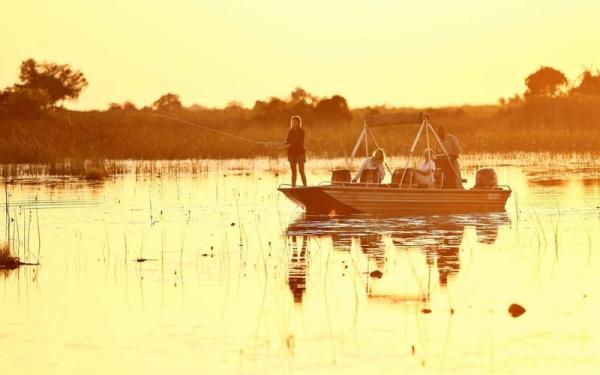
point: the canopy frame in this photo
(401, 119)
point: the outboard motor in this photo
(486, 178)
(340, 176)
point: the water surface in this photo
(203, 267)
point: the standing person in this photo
(374, 162)
(452, 170)
(295, 146)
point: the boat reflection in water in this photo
(439, 240)
(434, 240)
(297, 267)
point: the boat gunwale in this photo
(500, 189)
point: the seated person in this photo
(424, 175)
(374, 162)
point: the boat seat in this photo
(340, 177)
(370, 176)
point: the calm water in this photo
(236, 281)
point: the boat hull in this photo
(348, 200)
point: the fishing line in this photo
(195, 125)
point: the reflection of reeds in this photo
(8, 260)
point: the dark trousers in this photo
(300, 167)
(451, 168)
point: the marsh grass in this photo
(97, 170)
(566, 124)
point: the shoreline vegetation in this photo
(553, 115)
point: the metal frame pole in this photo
(358, 142)
(366, 141)
(412, 150)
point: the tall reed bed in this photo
(569, 124)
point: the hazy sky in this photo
(210, 52)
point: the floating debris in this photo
(377, 274)
(10, 262)
(516, 310)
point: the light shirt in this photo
(451, 145)
(427, 166)
(369, 163)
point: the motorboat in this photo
(401, 196)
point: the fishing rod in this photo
(199, 126)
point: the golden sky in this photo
(210, 52)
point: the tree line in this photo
(43, 87)
(552, 114)
(548, 82)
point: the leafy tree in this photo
(235, 111)
(334, 108)
(128, 106)
(61, 82)
(167, 103)
(299, 95)
(114, 107)
(590, 84)
(302, 103)
(274, 109)
(23, 102)
(545, 82)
